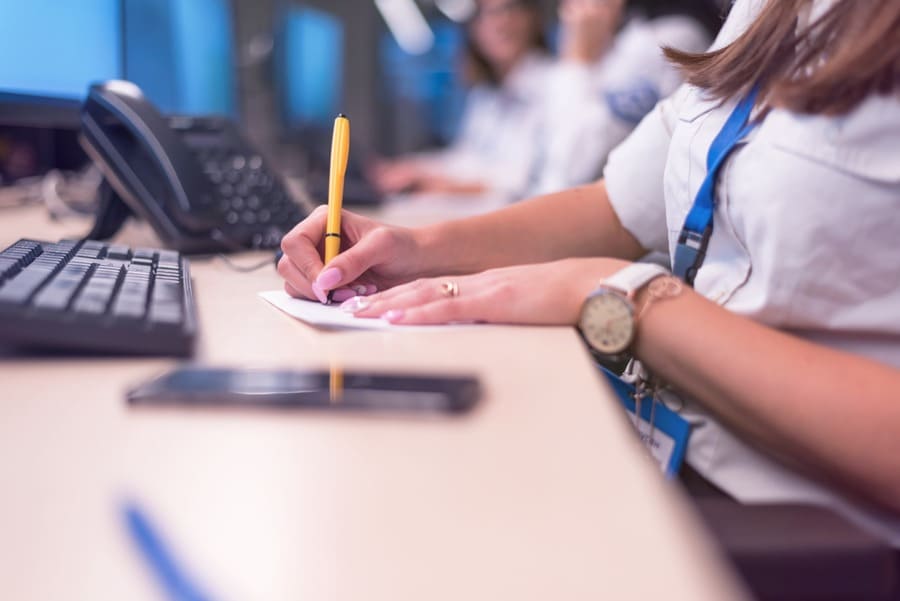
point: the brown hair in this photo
(828, 67)
(478, 70)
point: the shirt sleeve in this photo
(634, 176)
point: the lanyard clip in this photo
(690, 253)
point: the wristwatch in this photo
(608, 321)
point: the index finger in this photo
(301, 244)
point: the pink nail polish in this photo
(394, 315)
(342, 294)
(320, 294)
(371, 289)
(355, 304)
(329, 278)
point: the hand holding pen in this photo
(375, 256)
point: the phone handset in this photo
(146, 162)
(198, 182)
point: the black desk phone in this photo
(198, 183)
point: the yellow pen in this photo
(335, 384)
(340, 149)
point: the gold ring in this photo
(450, 289)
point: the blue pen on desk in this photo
(160, 560)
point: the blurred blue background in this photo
(181, 53)
(57, 48)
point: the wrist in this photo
(653, 304)
(439, 249)
(611, 316)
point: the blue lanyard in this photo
(694, 237)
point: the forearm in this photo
(834, 414)
(574, 223)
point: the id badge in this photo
(662, 431)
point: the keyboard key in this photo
(9, 266)
(94, 297)
(118, 252)
(169, 257)
(166, 314)
(144, 253)
(21, 287)
(57, 294)
(127, 307)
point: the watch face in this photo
(607, 323)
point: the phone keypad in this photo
(253, 205)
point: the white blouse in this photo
(804, 240)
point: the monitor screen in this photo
(310, 67)
(181, 54)
(423, 93)
(55, 49)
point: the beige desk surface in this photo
(542, 493)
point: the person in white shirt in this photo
(507, 64)
(534, 125)
(787, 347)
(611, 73)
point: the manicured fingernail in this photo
(394, 315)
(371, 289)
(342, 294)
(329, 278)
(320, 294)
(355, 304)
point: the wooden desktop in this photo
(543, 492)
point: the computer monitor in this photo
(181, 53)
(309, 59)
(422, 94)
(51, 51)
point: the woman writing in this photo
(772, 180)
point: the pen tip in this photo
(343, 116)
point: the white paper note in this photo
(324, 316)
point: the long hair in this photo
(827, 67)
(479, 70)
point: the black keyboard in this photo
(96, 297)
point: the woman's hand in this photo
(391, 177)
(546, 294)
(375, 257)
(402, 175)
(589, 27)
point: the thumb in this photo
(348, 266)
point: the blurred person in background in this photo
(534, 125)
(611, 73)
(506, 65)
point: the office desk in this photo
(542, 493)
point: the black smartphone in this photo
(334, 391)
